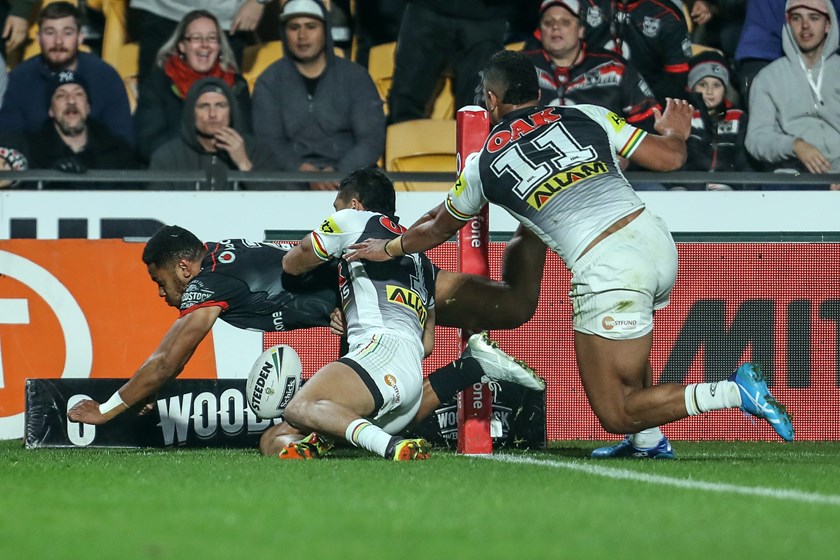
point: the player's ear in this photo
(492, 101)
(184, 268)
(356, 204)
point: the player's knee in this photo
(295, 413)
(615, 422)
(524, 310)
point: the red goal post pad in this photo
(475, 403)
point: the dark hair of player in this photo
(511, 76)
(170, 244)
(372, 188)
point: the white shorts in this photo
(618, 284)
(390, 367)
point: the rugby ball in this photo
(273, 381)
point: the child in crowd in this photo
(718, 129)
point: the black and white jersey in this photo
(555, 170)
(394, 297)
(247, 281)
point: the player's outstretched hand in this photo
(676, 120)
(337, 323)
(87, 412)
(369, 250)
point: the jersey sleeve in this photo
(338, 232)
(466, 198)
(624, 137)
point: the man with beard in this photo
(27, 98)
(211, 136)
(318, 112)
(71, 141)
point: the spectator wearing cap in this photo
(571, 74)
(795, 102)
(196, 49)
(24, 107)
(760, 42)
(439, 35)
(210, 136)
(72, 142)
(315, 110)
(718, 128)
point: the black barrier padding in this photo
(200, 413)
(188, 413)
(519, 412)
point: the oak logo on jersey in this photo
(540, 196)
(329, 226)
(409, 298)
(519, 128)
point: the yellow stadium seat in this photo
(381, 70)
(689, 23)
(115, 33)
(126, 65)
(421, 145)
(381, 67)
(697, 48)
(256, 58)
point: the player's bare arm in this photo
(424, 234)
(461, 300)
(666, 151)
(301, 258)
(429, 334)
(167, 361)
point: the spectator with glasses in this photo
(197, 49)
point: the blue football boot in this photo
(626, 449)
(757, 400)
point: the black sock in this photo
(451, 379)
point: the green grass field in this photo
(718, 500)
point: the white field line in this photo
(624, 474)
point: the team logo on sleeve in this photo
(650, 27)
(616, 121)
(459, 186)
(391, 225)
(408, 298)
(329, 226)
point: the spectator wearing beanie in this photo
(718, 129)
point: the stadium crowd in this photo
(294, 93)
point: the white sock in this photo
(703, 397)
(646, 439)
(362, 433)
